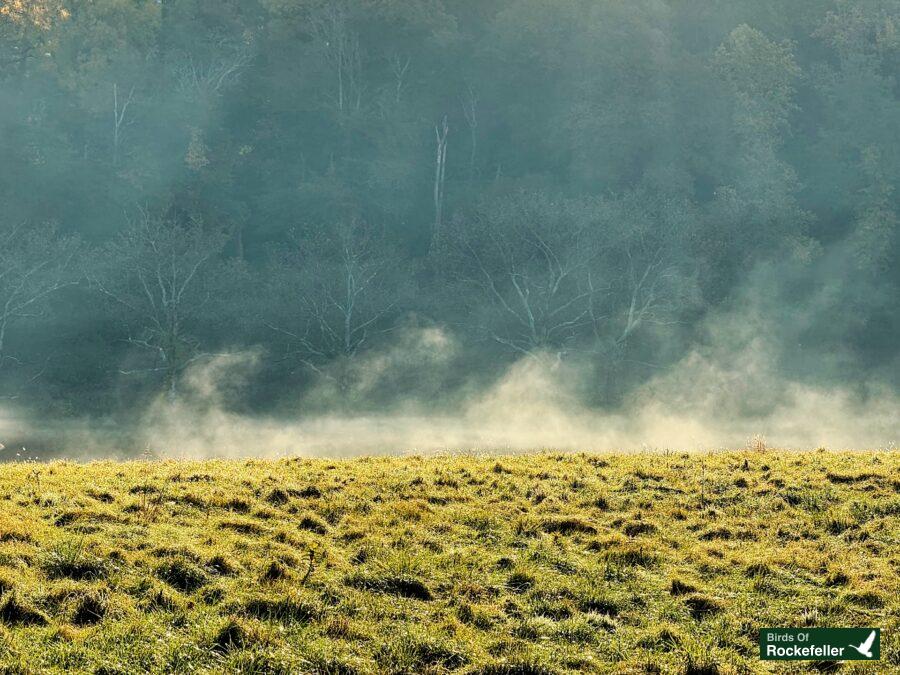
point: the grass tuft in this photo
(222, 565)
(313, 524)
(679, 587)
(702, 606)
(235, 634)
(182, 574)
(90, 609)
(402, 586)
(275, 571)
(515, 668)
(287, 608)
(568, 525)
(69, 559)
(278, 497)
(14, 611)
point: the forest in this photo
(382, 199)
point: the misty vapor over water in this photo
(702, 403)
(727, 394)
(530, 407)
(731, 387)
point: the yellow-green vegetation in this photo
(509, 565)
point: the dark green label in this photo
(819, 644)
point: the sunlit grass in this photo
(537, 563)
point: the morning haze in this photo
(327, 227)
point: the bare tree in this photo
(330, 26)
(334, 294)
(399, 68)
(650, 283)
(156, 276)
(440, 173)
(539, 274)
(470, 112)
(35, 264)
(208, 79)
(523, 267)
(120, 110)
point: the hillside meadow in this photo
(484, 565)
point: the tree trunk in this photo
(439, 176)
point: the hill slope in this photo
(523, 564)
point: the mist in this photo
(329, 228)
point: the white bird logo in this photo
(866, 647)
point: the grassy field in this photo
(513, 565)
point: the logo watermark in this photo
(833, 644)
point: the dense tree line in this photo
(313, 178)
